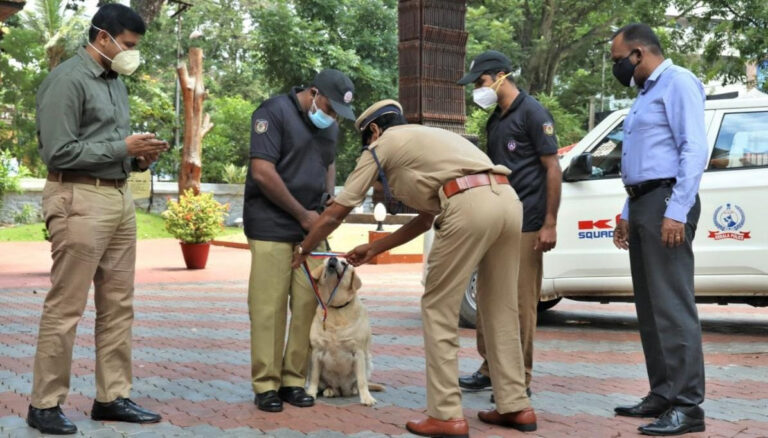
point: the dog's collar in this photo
(343, 305)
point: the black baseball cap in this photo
(487, 61)
(338, 88)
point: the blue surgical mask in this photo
(318, 117)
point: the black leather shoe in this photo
(50, 421)
(650, 406)
(123, 409)
(269, 401)
(475, 381)
(296, 396)
(527, 392)
(676, 422)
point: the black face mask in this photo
(624, 70)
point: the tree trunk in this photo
(196, 125)
(148, 9)
(53, 55)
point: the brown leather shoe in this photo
(524, 420)
(432, 427)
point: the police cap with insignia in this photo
(339, 90)
(489, 60)
(377, 110)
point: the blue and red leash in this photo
(324, 306)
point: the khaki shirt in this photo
(417, 161)
(83, 119)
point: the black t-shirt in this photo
(517, 139)
(282, 133)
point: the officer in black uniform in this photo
(521, 136)
(293, 148)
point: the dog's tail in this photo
(376, 387)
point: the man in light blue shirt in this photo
(664, 155)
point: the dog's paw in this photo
(367, 400)
(312, 392)
(329, 393)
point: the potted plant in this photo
(195, 220)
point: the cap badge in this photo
(348, 97)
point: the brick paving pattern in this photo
(191, 362)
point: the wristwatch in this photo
(300, 250)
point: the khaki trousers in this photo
(479, 227)
(528, 296)
(93, 240)
(272, 286)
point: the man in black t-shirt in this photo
(293, 148)
(521, 136)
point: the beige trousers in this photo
(528, 296)
(93, 240)
(272, 287)
(478, 227)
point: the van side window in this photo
(741, 142)
(606, 155)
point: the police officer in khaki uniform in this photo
(479, 219)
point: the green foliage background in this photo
(256, 48)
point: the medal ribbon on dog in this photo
(317, 291)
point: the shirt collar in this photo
(514, 105)
(661, 68)
(94, 67)
(295, 99)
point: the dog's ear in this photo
(318, 272)
(356, 283)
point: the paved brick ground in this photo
(191, 360)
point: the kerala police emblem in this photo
(511, 146)
(548, 128)
(348, 97)
(260, 126)
(729, 219)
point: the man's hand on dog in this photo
(361, 255)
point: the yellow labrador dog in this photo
(341, 361)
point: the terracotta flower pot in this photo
(195, 254)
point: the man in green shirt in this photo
(83, 127)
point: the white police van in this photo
(731, 244)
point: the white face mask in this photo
(486, 97)
(126, 62)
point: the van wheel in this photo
(546, 305)
(468, 311)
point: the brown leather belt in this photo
(68, 177)
(467, 182)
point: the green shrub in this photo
(234, 174)
(10, 179)
(29, 214)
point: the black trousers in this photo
(662, 279)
